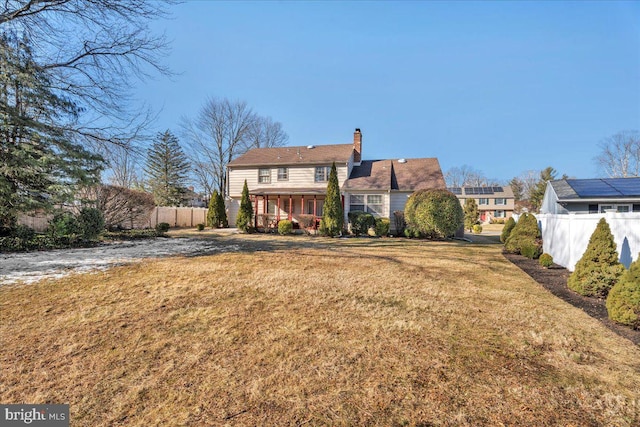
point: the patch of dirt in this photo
(554, 279)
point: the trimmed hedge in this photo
(507, 229)
(383, 225)
(433, 213)
(361, 222)
(546, 260)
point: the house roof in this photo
(284, 156)
(504, 191)
(599, 188)
(406, 175)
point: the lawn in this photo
(314, 331)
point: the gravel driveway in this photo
(29, 267)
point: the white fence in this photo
(565, 237)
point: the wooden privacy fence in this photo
(175, 217)
(178, 217)
(565, 236)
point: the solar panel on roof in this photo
(626, 186)
(593, 188)
(456, 190)
(487, 190)
(468, 190)
(498, 189)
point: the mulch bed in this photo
(554, 279)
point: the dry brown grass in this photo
(333, 332)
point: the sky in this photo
(503, 87)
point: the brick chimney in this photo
(357, 146)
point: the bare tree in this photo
(92, 51)
(620, 155)
(465, 175)
(222, 131)
(124, 164)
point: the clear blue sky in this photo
(504, 87)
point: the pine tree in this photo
(471, 214)
(222, 212)
(245, 214)
(333, 216)
(167, 169)
(41, 164)
(623, 301)
(213, 220)
(599, 269)
(525, 238)
(507, 229)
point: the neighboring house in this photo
(291, 182)
(585, 196)
(493, 202)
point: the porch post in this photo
(265, 201)
(290, 217)
(342, 198)
(255, 217)
(278, 211)
(302, 204)
(315, 209)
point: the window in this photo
(636, 208)
(374, 204)
(483, 201)
(319, 206)
(371, 203)
(322, 173)
(283, 174)
(617, 208)
(498, 214)
(501, 201)
(356, 202)
(593, 209)
(264, 176)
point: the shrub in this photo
(623, 301)
(546, 260)
(361, 222)
(285, 227)
(200, 226)
(525, 236)
(306, 221)
(23, 232)
(599, 269)
(398, 217)
(408, 233)
(90, 223)
(506, 230)
(477, 229)
(63, 224)
(434, 213)
(382, 226)
(163, 227)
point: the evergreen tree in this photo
(507, 229)
(333, 216)
(517, 186)
(599, 269)
(434, 213)
(217, 215)
(41, 164)
(623, 301)
(213, 220)
(245, 214)
(471, 214)
(167, 168)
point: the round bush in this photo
(434, 213)
(477, 229)
(546, 260)
(623, 301)
(200, 226)
(63, 224)
(285, 227)
(163, 227)
(382, 226)
(361, 222)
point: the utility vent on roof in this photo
(310, 147)
(402, 161)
